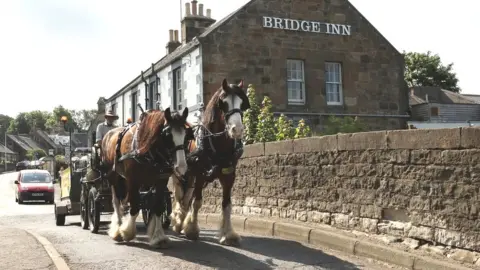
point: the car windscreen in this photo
(36, 178)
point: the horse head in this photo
(176, 133)
(230, 101)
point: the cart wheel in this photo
(59, 219)
(93, 210)
(83, 208)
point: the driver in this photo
(104, 127)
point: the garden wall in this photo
(421, 184)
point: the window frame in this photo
(292, 101)
(339, 83)
(177, 89)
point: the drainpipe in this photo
(146, 90)
(154, 105)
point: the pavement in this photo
(32, 241)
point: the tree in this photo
(37, 119)
(53, 121)
(251, 116)
(35, 154)
(425, 69)
(83, 118)
(5, 123)
(266, 122)
(20, 124)
(346, 124)
(302, 130)
(284, 127)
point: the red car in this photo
(34, 185)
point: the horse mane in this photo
(151, 125)
(212, 110)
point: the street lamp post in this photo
(66, 127)
(5, 148)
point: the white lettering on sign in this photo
(307, 26)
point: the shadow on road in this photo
(207, 252)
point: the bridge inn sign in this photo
(306, 26)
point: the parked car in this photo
(34, 185)
(22, 165)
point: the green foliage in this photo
(425, 69)
(284, 127)
(266, 123)
(250, 117)
(20, 124)
(54, 119)
(35, 154)
(347, 124)
(302, 130)
(83, 118)
(5, 124)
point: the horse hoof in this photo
(192, 235)
(118, 238)
(231, 240)
(160, 244)
(177, 228)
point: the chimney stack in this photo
(175, 36)
(194, 7)
(187, 9)
(194, 23)
(200, 10)
(173, 42)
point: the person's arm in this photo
(98, 135)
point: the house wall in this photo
(191, 66)
(446, 112)
(372, 69)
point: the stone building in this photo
(312, 58)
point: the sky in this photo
(71, 52)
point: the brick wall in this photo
(422, 184)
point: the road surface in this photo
(84, 250)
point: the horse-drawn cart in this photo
(70, 186)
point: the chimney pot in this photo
(209, 13)
(200, 10)
(194, 7)
(170, 35)
(187, 9)
(176, 36)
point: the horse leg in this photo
(128, 229)
(158, 239)
(116, 221)
(190, 224)
(178, 213)
(182, 202)
(227, 234)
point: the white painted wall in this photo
(119, 111)
(192, 91)
(165, 84)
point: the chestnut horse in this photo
(221, 131)
(147, 150)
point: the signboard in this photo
(306, 26)
(67, 154)
(65, 183)
(50, 152)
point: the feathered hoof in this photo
(161, 243)
(231, 239)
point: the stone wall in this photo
(421, 184)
